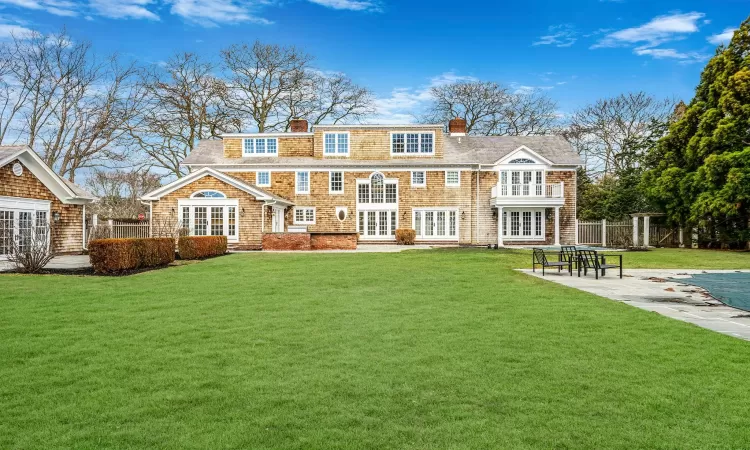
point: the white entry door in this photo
(436, 224)
(277, 220)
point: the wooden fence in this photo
(117, 230)
(619, 234)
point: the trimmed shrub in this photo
(109, 256)
(198, 247)
(405, 236)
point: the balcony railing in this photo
(551, 190)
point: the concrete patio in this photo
(62, 262)
(650, 289)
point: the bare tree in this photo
(57, 97)
(491, 109)
(31, 248)
(119, 191)
(604, 131)
(186, 102)
(272, 84)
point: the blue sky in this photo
(576, 51)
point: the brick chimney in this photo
(457, 127)
(298, 125)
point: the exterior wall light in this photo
(56, 216)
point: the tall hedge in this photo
(109, 256)
(197, 247)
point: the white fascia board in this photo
(520, 149)
(276, 134)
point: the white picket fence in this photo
(606, 233)
(117, 230)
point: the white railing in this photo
(117, 230)
(553, 190)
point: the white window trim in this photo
(336, 153)
(257, 178)
(209, 203)
(506, 226)
(304, 208)
(405, 132)
(296, 182)
(378, 206)
(193, 195)
(259, 155)
(453, 184)
(435, 210)
(418, 185)
(330, 183)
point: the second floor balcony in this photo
(549, 194)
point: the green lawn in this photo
(445, 349)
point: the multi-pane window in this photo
(217, 220)
(263, 178)
(526, 182)
(259, 147)
(303, 183)
(418, 179)
(361, 223)
(452, 223)
(232, 226)
(523, 224)
(304, 216)
(378, 190)
(539, 182)
(538, 223)
(522, 182)
(363, 193)
(390, 193)
(200, 221)
(383, 223)
(452, 178)
(336, 182)
(185, 217)
(336, 143)
(412, 143)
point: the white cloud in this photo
(723, 37)
(646, 38)
(659, 30)
(352, 5)
(123, 9)
(57, 7)
(8, 31)
(405, 104)
(563, 35)
(211, 13)
(670, 53)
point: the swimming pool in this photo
(732, 289)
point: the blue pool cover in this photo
(732, 289)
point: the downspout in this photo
(476, 218)
(85, 246)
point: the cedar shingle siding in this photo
(370, 151)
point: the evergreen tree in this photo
(701, 173)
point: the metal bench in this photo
(590, 259)
(539, 258)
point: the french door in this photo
(19, 226)
(436, 224)
(377, 224)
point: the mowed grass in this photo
(446, 349)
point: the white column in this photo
(500, 226)
(262, 219)
(682, 242)
(635, 231)
(646, 230)
(557, 225)
(604, 232)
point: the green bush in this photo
(198, 247)
(405, 236)
(109, 256)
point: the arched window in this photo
(522, 161)
(208, 194)
(378, 190)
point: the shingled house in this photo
(366, 181)
(32, 195)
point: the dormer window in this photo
(413, 143)
(259, 147)
(336, 144)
